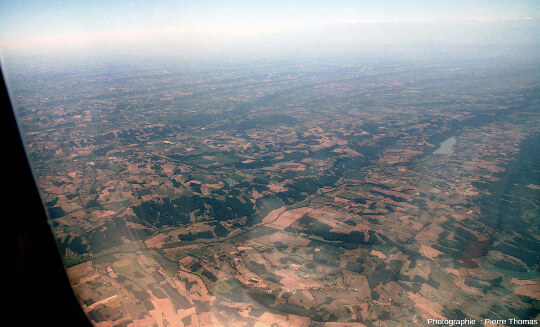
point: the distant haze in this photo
(238, 28)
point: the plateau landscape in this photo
(321, 192)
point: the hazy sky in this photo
(259, 26)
